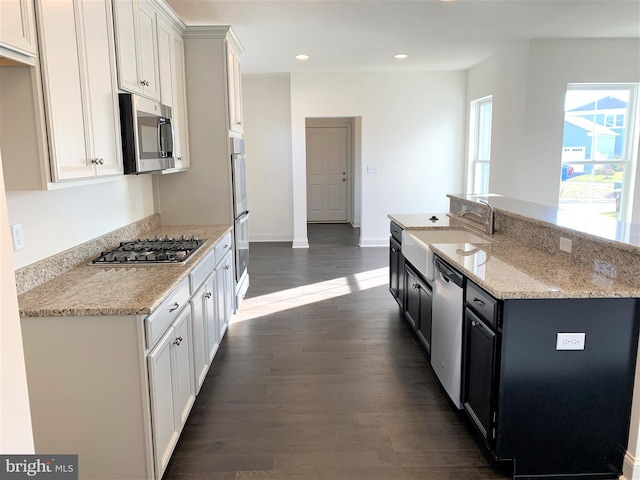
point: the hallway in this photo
(319, 377)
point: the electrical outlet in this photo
(570, 341)
(565, 244)
(373, 169)
(18, 237)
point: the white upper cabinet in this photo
(17, 26)
(173, 90)
(79, 81)
(165, 62)
(137, 48)
(234, 89)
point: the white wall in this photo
(528, 84)
(56, 220)
(505, 78)
(412, 126)
(267, 126)
(15, 416)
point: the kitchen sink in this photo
(415, 246)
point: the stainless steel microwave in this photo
(147, 134)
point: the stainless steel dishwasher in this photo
(446, 328)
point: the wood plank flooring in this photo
(320, 377)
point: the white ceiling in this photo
(363, 35)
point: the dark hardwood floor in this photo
(319, 377)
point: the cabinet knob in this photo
(207, 295)
(145, 83)
(227, 267)
(178, 341)
(474, 323)
(181, 158)
(101, 161)
(416, 285)
(94, 161)
(174, 307)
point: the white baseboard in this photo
(300, 243)
(374, 242)
(630, 468)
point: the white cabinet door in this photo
(234, 91)
(165, 62)
(213, 339)
(182, 369)
(181, 128)
(149, 51)
(126, 26)
(225, 292)
(136, 38)
(200, 336)
(104, 118)
(17, 26)
(78, 69)
(165, 435)
(229, 287)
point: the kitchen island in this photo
(115, 355)
(548, 354)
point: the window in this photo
(597, 149)
(479, 146)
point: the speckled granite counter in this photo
(421, 221)
(117, 290)
(508, 270)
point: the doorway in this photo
(329, 162)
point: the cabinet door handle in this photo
(177, 341)
(416, 285)
(94, 161)
(145, 83)
(207, 295)
(174, 307)
(474, 323)
(227, 267)
(478, 302)
(101, 161)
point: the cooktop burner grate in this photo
(152, 251)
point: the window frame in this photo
(475, 136)
(629, 160)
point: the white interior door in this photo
(327, 174)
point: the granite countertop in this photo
(421, 221)
(89, 290)
(510, 270)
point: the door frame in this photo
(339, 122)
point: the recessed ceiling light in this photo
(302, 57)
(401, 56)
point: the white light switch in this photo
(570, 341)
(372, 169)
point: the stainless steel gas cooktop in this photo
(152, 251)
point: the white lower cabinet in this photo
(205, 342)
(171, 387)
(224, 292)
(139, 400)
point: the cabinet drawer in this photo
(396, 232)
(223, 246)
(201, 271)
(483, 303)
(158, 322)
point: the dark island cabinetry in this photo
(548, 383)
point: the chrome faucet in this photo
(487, 222)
